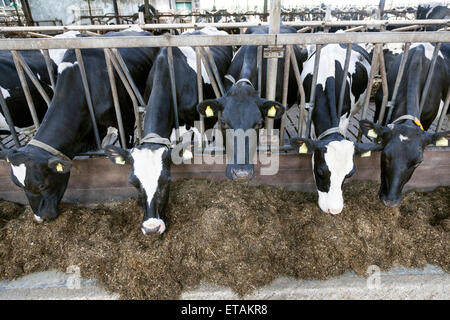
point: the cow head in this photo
(403, 146)
(42, 176)
(241, 110)
(150, 174)
(332, 163)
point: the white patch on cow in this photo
(38, 219)
(394, 48)
(57, 55)
(339, 159)
(153, 223)
(20, 172)
(64, 65)
(5, 93)
(429, 49)
(3, 123)
(135, 28)
(147, 168)
(343, 124)
(212, 31)
(403, 138)
(328, 55)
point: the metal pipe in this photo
(301, 92)
(391, 104)
(200, 91)
(286, 71)
(384, 85)
(259, 65)
(429, 76)
(88, 96)
(215, 71)
(49, 65)
(312, 97)
(33, 78)
(210, 73)
(344, 79)
(26, 89)
(174, 92)
(9, 119)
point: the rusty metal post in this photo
(88, 96)
(26, 89)
(49, 65)
(174, 92)
(384, 85)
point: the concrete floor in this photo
(398, 283)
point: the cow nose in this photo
(153, 225)
(45, 216)
(241, 174)
(335, 211)
(38, 219)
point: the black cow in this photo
(150, 161)
(405, 138)
(42, 168)
(332, 152)
(242, 108)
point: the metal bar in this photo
(287, 64)
(312, 97)
(49, 65)
(301, 92)
(130, 91)
(200, 91)
(344, 80)
(224, 40)
(429, 76)
(384, 84)
(259, 65)
(9, 119)
(215, 71)
(401, 69)
(26, 89)
(129, 77)
(174, 92)
(210, 73)
(407, 28)
(444, 112)
(33, 78)
(355, 29)
(88, 96)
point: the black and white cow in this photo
(150, 161)
(12, 89)
(242, 107)
(405, 138)
(333, 154)
(43, 170)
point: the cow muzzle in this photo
(153, 225)
(391, 203)
(241, 173)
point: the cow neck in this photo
(249, 69)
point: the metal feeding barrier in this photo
(284, 42)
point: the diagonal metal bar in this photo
(9, 119)
(174, 92)
(344, 79)
(429, 76)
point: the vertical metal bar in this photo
(215, 71)
(312, 97)
(49, 65)
(287, 64)
(401, 69)
(26, 89)
(444, 112)
(344, 79)
(129, 77)
(210, 74)
(33, 78)
(9, 119)
(429, 76)
(115, 95)
(124, 80)
(259, 66)
(298, 78)
(384, 85)
(200, 91)
(88, 96)
(174, 92)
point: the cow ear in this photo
(59, 165)
(364, 148)
(271, 109)
(303, 145)
(440, 139)
(117, 155)
(373, 130)
(14, 157)
(209, 108)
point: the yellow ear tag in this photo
(442, 142)
(417, 122)
(209, 112)
(366, 154)
(272, 112)
(59, 167)
(187, 155)
(119, 160)
(303, 148)
(372, 134)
